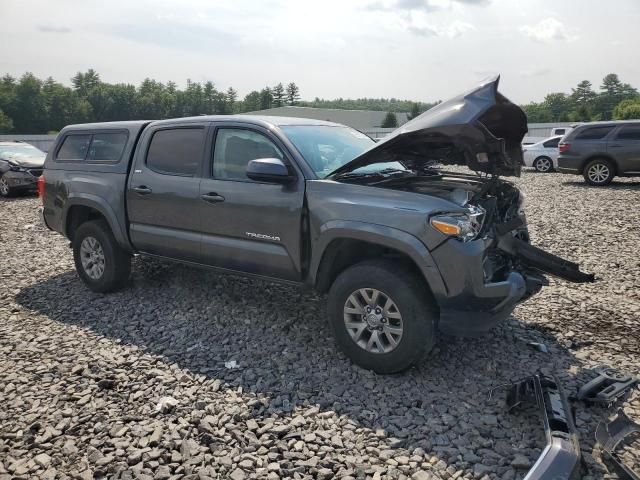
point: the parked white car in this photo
(543, 156)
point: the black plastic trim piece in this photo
(609, 436)
(607, 387)
(542, 261)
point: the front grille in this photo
(36, 172)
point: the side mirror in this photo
(268, 170)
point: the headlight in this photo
(464, 226)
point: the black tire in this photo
(5, 190)
(117, 262)
(543, 164)
(414, 303)
(599, 172)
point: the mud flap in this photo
(542, 261)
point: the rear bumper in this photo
(571, 165)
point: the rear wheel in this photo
(382, 316)
(598, 172)
(102, 265)
(543, 164)
(5, 189)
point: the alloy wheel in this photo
(598, 173)
(373, 320)
(92, 257)
(4, 186)
(543, 165)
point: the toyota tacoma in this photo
(404, 246)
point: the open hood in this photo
(480, 128)
(27, 162)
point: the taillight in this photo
(41, 187)
(564, 147)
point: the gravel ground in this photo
(250, 384)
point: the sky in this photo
(423, 50)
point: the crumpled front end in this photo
(489, 272)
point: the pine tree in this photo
(266, 98)
(583, 94)
(278, 95)
(390, 121)
(293, 94)
(232, 96)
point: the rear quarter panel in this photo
(99, 185)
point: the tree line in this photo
(614, 100)
(32, 105)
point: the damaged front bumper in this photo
(475, 303)
(560, 458)
(476, 300)
(544, 262)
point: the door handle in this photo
(212, 197)
(142, 190)
(614, 146)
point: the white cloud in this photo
(457, 28)
(548, 30)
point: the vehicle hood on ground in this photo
(480, 128)
(27, 162)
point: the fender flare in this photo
(100, 205)
(380, 235)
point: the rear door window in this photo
(551, 143)
(107, 147)
(594, 133)
(176, 151)
(74, 147)
(630, 132)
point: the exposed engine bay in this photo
(496, 209)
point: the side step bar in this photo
(542, 261)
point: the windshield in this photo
(13, 151)
(326, 148)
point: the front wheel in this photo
(598, 172)
(382, 316)
(5, 189)
(102, 265)
(543, 164)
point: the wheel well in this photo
(344, 252)
(79, 214)
(603, 157)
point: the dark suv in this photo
(600, 151)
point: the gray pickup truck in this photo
(403, 247)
